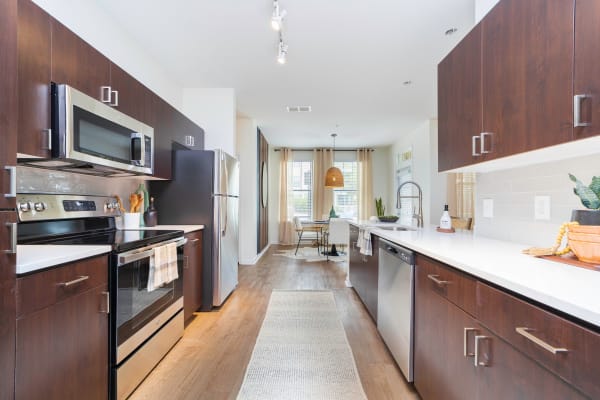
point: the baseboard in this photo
(255, 259)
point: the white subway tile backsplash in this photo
(513, 192)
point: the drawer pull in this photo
(437, 281)
(106, 303)
(194, 240)
(466, 342)
(525, 332)
(476, 361)
(75, 281)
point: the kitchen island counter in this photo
(563, 287)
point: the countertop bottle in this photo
(445, 221)
(151, 215)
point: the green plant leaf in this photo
(595, 185)
(588, 197)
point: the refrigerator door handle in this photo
(224, 214)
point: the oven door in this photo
(137, 313)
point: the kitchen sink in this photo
(395, 228)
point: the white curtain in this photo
(322, 196)
(286, 207)
(366, 201)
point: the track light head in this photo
(282, 53)
(278, 16)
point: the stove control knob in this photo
(109, 206)
(39, 206)
(26, 206)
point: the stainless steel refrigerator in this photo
(205, 190)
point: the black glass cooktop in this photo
(120, 240)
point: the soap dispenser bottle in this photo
(445, 221)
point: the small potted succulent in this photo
(590, 198)
(380, 208)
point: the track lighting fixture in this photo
(278, 16)
(282, 51)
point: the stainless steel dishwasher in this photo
(395, 303)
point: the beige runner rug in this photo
(302, 352)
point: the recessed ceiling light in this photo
(451, 31)
(406, 83)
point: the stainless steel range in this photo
(144, 324)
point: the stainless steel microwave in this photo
(93, 138)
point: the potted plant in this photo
(590, 198)
(380, 208)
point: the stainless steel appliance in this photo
(90, 137)
(144, 324)
(395, 303)
(205, 190)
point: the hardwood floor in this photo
(209, 361)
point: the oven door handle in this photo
(145, 252)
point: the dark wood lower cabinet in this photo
(62, 349)
(192, 274)
(457, 356)
(363, 272)
(7, 307)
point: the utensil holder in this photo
(131, 220)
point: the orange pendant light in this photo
(334, 177)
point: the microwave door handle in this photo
(137, 152)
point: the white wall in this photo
(513, 192)
(97, 27)
(482, 7)
(274, 160)
(381, 176)
(214, 109)
(423, 141)
(248, 213)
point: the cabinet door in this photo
(62, 350)
(459, 104)
(192, 274)
(587, 66)
(505, 373)
(135, 99)
(163, 143)
(76, 63)
(34, 80)
(8, 101)
(527, 75)
(7, 297)
(441, 368)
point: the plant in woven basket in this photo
(590, 198)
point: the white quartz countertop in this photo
(35, 257)
(572, 290)
(184, 228)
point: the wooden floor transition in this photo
(209, 362)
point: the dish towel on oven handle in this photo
(163, 266)
(364, 241)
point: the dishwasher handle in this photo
(397, 251)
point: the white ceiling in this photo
(348, 59)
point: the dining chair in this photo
(307, 233)
(338, 233)
(462, 223)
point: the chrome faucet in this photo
(419, 215)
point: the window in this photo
(302, 189)
(345, 200)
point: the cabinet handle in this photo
(466, 341)
(437, 281)
(48, 133)
(483, 135)
(523, 331)
(12, 170)
(577, 100)
(106, 94)
(13, 238)
(194, 240)
(115, 103)
(186, 263)
(190, 140)
(474, 152)
(476, 362)
(74, 281)
(107, 303)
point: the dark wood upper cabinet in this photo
(8, 104)
(34, 44)
(76, 63)
(527, 69)
(134, 99)
(459, 104)
(587, 67)
(192, 274)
